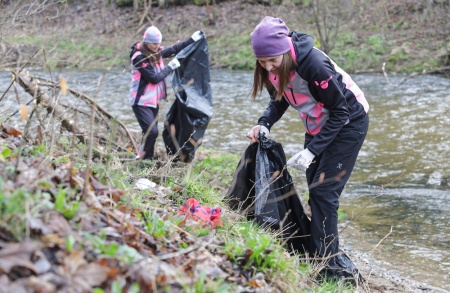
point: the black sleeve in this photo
(148, 72)
(333, 100)
(273, 112)
(173, 50)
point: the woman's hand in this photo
(196, 36)
(301, 160)
(174, 64)
(253, 134)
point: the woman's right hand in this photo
(253, 134)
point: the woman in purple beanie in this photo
(147, 82)
(334, 113)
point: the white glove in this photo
(196, 36)
(174, 64)
(301, 160)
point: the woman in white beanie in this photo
(147, 82)
(333, 110)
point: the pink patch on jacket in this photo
(324, 83)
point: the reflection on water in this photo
(415, 221)
(403, 170)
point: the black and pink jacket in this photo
(147, 80)
(324, 95)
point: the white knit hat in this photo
(152, 35)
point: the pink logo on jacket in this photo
(324, 83)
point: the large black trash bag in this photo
(188, 117)
(263, 189)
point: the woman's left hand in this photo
(301, 160)
(196, 36)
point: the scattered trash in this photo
(144, 184)
(205, 214)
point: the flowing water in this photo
(400, 188)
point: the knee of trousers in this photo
(324, 196)
(153, 133)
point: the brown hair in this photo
(261, 77)
(153, 57)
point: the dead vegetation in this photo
(69, 240)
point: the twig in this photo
(146, 12)
(101, 110)
(19, 71)
(86, 184)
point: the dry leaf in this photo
(89, 276)
(23, 111)
(81, 274)
(10, 130)
(52, 240)
(63, 85)
(39, 285)
(38, 138)
(17, 255)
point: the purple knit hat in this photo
(152, 35)
(269, 38)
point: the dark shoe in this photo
(343, 269)
(341, 275)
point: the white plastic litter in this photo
(144, 184)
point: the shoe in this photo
(342, 270)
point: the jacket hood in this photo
(133, 49)
(303, 44)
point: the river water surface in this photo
(400, 188)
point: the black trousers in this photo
(326, 178)
(147, 117)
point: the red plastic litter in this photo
(205, 214)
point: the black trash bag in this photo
(188, 117)
(263, 189)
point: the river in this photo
(400, 188)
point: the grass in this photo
(44, 197)
(72, 51)
(252, 249)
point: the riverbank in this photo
(227, 90)
(379, 36)
(223, 124)
(74, 53)
(382, 277)
(129, 236)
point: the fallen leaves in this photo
(17, 255)
(103, 242)
(24, 112)
(10, 130)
